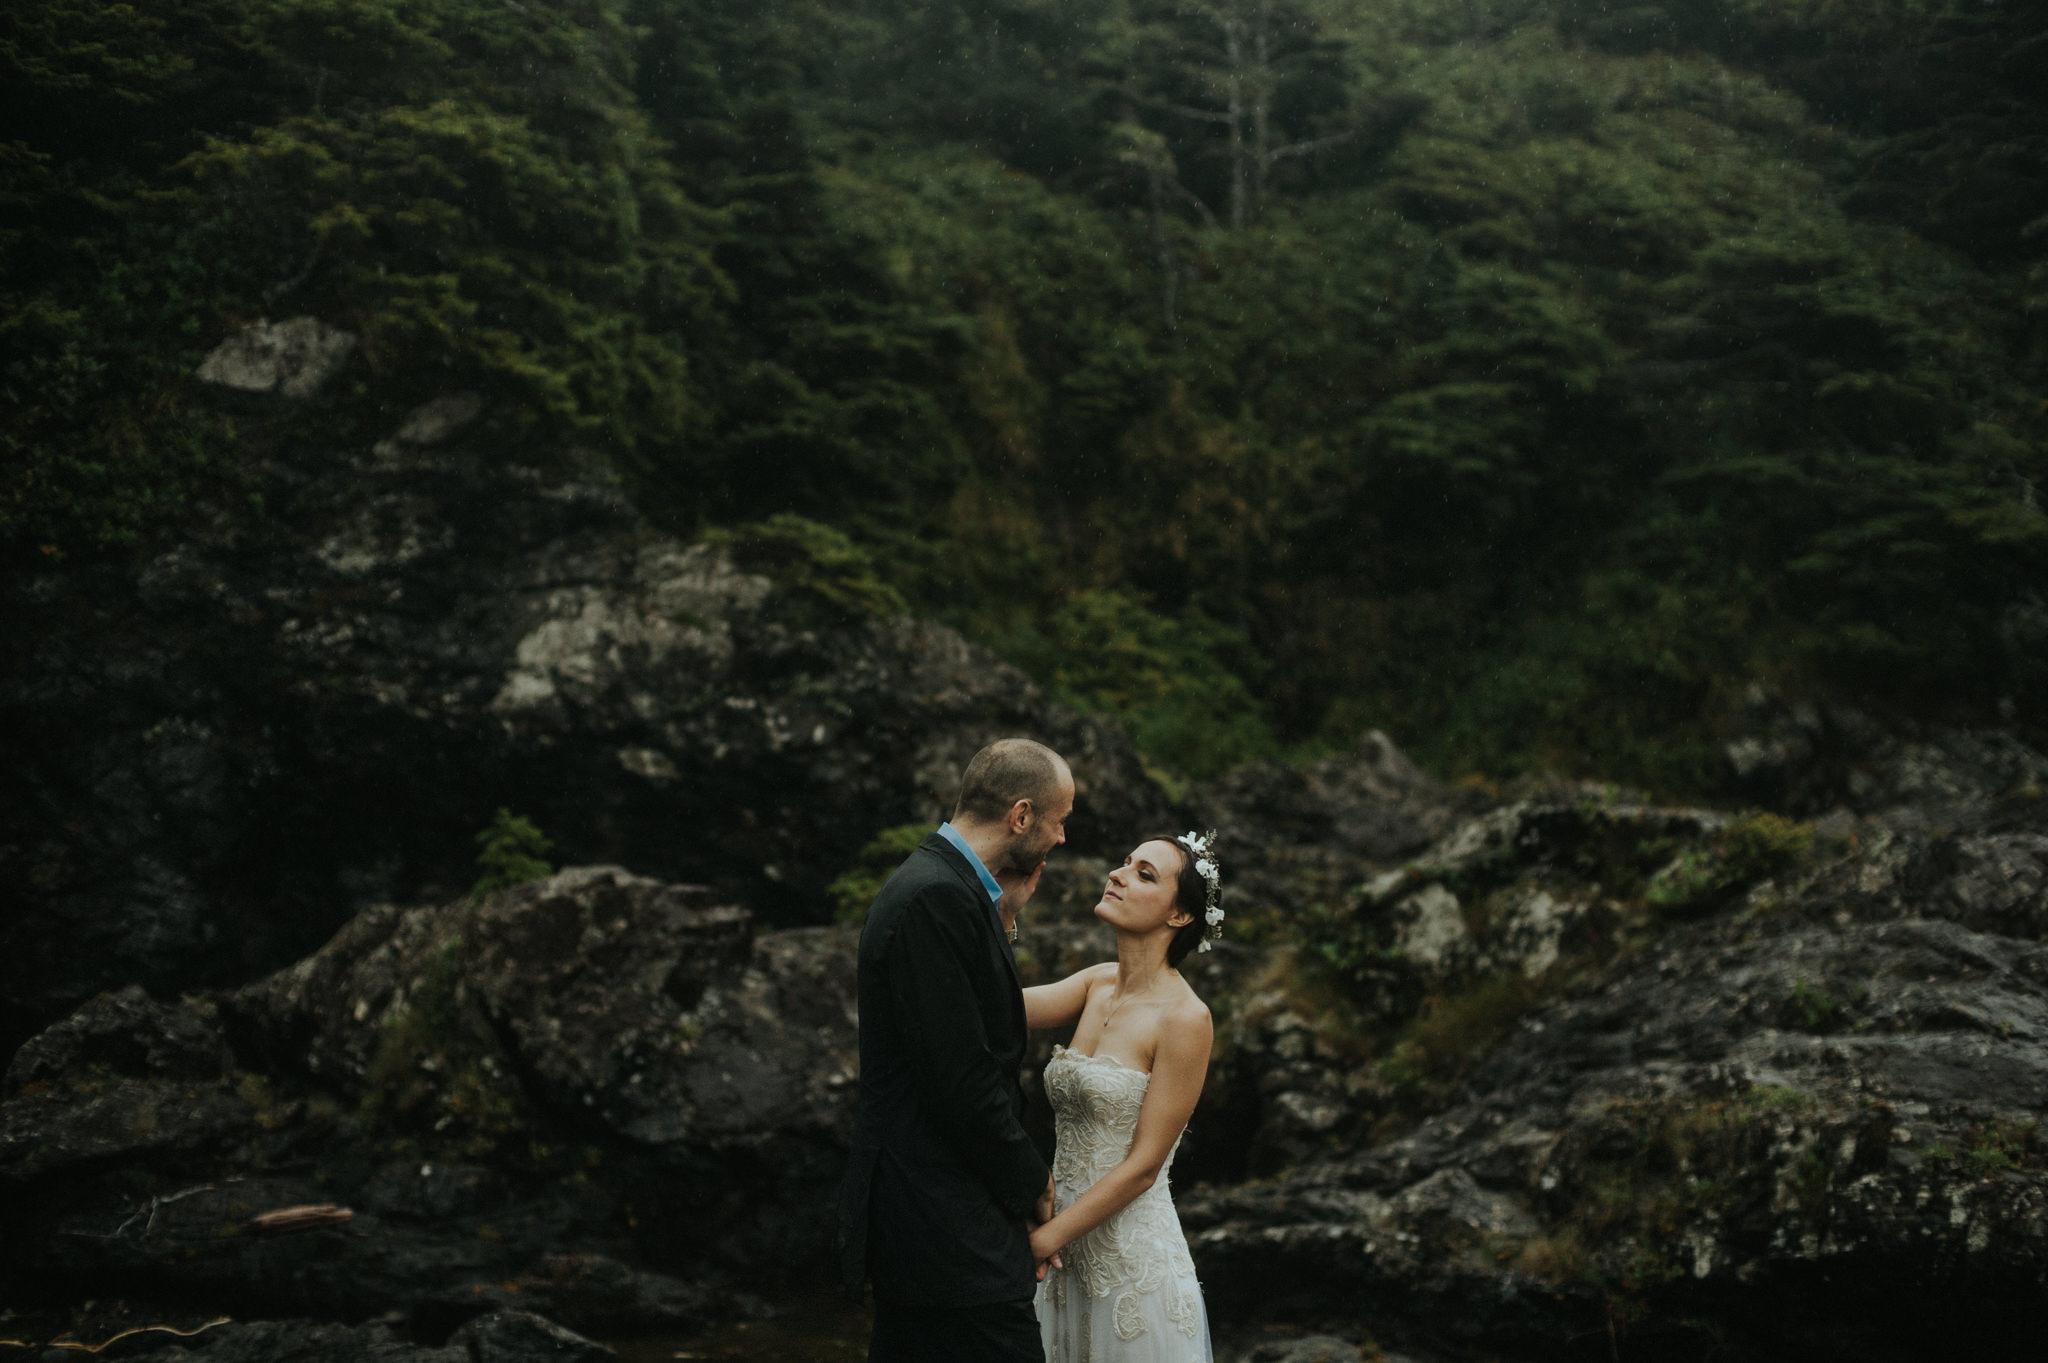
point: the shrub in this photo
(512, 852)
(1178, 682)
(1745, 851)
(853, 891)
(826, 578)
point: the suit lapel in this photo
(951, 856)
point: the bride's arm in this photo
(1056, 1005)
(1179, 1065)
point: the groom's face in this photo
(1048, 830)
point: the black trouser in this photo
(1001, 1332)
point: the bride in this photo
(1121, 1095)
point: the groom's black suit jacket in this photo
(942, 1174)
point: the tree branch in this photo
(1173, 183)
(1314, 144)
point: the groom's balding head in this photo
(1009, 770)
(1022, 793)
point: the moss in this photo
(1997, 1146)
(1560, 1258)
(1814, 1009)
(1660, 1167)
(262, 1099)
(1349, 943)
(1295, 985)
(1810, 1185)
(432, 1076)
(1739, 855)
(1451, 1033)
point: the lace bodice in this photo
(1140, 1250)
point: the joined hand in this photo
(1044, 1253)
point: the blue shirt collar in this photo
(988, 882)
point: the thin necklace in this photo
(1115, 1006)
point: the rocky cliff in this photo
(218, 754)
(1554, 1071)
(1576, 1068)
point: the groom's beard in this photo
(1021, 857)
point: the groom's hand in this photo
(1041, 1210)
(1017, 892)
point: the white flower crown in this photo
(1201, 846)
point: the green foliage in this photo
(1814, 1009)
(825, 577)
(1575, 365)
(1743, 852)
(854, 890)
(1347, 942)
(2000, 1145)
(1177, 682)
(511, 852)
(365, 160)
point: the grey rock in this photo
(1994, 882)
(1316, 830)
(124, 1079)
(1777, 1069)
(1808, 758)
(578, 1076)
(646, 1007)
(596, 1293)
(293, 359)
(432, 422)
(125, 1032)
(1450, 1205)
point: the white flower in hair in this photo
(1206, 869)
(1214, 916)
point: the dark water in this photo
(826, 1330)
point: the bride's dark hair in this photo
(1190, 892)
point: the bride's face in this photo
(1138, 896)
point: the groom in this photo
(944, 1184)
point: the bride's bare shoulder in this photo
(1094, 977)
(1188, 1010)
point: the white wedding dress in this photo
(1128, 1292)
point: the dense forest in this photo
(1527, 378)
